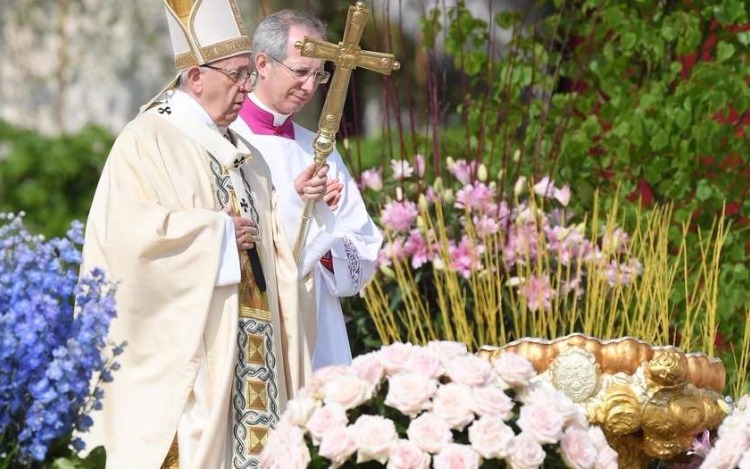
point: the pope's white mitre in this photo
(203, 31)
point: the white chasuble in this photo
(157, 229)
(348, 233)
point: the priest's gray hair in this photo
(272, 33)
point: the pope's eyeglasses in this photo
(319, 77)
(239, 77)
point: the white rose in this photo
(425, 361)
(577, 450)
(455, 403)
(337, 445)
(469, 370)
(299, 410)
(429, 432)
(545, 395)
(514, 369)
(348, 391)
(596, 435)
(374, 437)
(727, 451)
(446, 350)
(394, 357)
(285, 448)
(525, 452)
(368, 367)
(543, 423)
(491, 437)
(606, 459)
(410, 393)
(745, 461)
(324, 419)
(457, 456)
(406, 455)
(321, 377)
(491, 401)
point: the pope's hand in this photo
(312, 185)
(245, 231)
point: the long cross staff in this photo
(346, 56)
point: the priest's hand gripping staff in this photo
(346, 56)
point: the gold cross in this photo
(346, 56)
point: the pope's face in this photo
(223, 94)
(287, 85)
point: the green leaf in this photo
(724, 51)
(704, 191)
(659, 140)
(628, 41)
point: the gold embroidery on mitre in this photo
(182, 9)
(226, 48)
(256, 395)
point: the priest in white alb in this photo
(343, 242)
(185, 220)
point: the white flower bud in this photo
(438, 184)
(422, 202)
(520, 186)
(482, 173)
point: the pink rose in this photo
(544, 395)
(543, 423)
(745, 460)
(514, 369)
(425, 361)
(374, 437)
(299, 410)
(337, 445)
(394, 357)
(607, 459)
(429, 432)
(410, 393)
(368, 367)
(324, 419)
(491, 437)
(455, 403)
(348, 391)
(321, 377)
(737, 422)
(525, 452)
(596, 436)
(470, 370)
(577, 450)
(457, 456)
(492, 401)
(727, 451)
(285, 448)
(406, 455)
(447, 350)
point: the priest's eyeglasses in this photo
(239, 77)
(319, 77)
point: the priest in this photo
(342, 245)
(184, 221)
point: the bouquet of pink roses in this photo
(439, 406)
(732, 447)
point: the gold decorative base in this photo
(650, 401)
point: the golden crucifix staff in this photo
(346, 56)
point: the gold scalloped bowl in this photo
(651, 401)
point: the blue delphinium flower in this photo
(53, 327)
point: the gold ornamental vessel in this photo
(650, 401)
